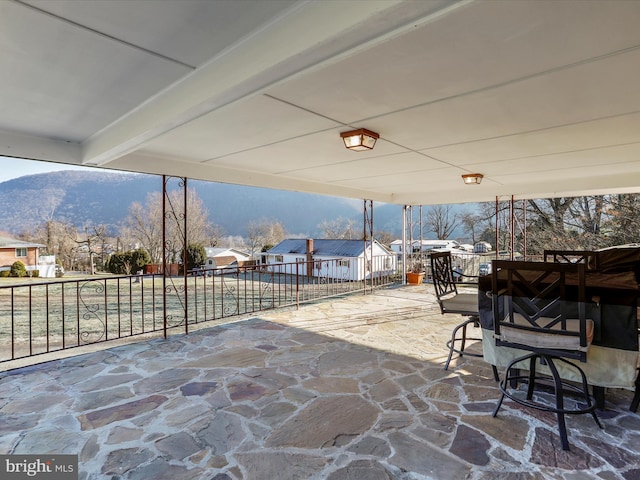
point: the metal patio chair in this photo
(541, 309)
(450, 301)
(589, 258)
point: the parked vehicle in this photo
(482, 247)
(465, 247)
(484, 269)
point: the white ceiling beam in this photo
(136, 162)
(39, 148)
(242, 70)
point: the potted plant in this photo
(416, 275)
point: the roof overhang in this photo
(541, 97)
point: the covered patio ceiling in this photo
(541, 97)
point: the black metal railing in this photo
(225, 292)
(41, 317)
(468, 264)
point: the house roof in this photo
(221, 251)
(542, 97)
(225, 260)
(322, 247)
(7, 242)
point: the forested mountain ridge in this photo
(95, 198)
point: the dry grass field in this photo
(39, 316)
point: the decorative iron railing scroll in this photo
(174, 241)
(92, 305)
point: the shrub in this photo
(115, 263)
(4, 273)
(128, 262)
(18, 269)
(196, 256)
(139, 258)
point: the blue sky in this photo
(15, 167)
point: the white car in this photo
(484, 269)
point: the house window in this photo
(21, 252)
(301, 259)
(279, 259)
(344, 263)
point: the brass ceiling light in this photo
(359, 140)
(472, 178)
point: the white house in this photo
(396, 246)
(428, 245)
(218, 257)
(425, 245)
(332, 258)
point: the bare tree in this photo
(59, 239)
(341, 228)
(385, 238)
(263, 233)
(143, 225)
(486, 216)
(200, 231)
(216, 234)
(586, 217)
(93, 243)
(233, 241)
(622, 224)
(551, 212)
(570, 223)
(441, 220)
(474, 225)
(255, 238)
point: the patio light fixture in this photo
(472, 178)
(359, 140)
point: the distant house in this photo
(428, 245)
(396, 246)
(482, 247)
(12, 250)
(338, 259)
(224, 258)
(425, 245)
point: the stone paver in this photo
(346, 389)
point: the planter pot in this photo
(415, 278)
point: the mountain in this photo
(95, 198)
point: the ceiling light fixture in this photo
(360, 140)
(472, 178)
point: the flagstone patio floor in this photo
(349, 388)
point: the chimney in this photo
(309, 257)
